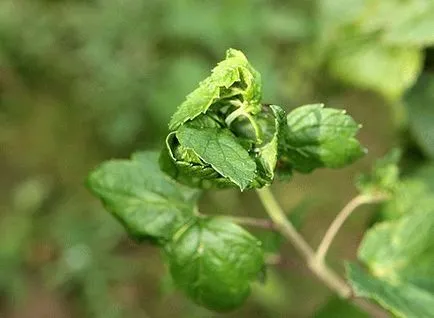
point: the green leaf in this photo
(420, 107)
(402, 300)
(267, 153)
(219, 148)
(384, 176)
(231, 77)
(214, 261)
(318, 137)
(417, 30)
(144, 200)
(400, 258)
(369, 64)
(339, 308)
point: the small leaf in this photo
(400, 258)
(320, 137)
(234, 72)
(147, 202)
(214, 261)
(219, 148)
(384, 176)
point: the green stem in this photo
(287, 229)
(320, 269)
(341, 218)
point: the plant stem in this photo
(254, 222)
(341, 218)
(320, 269)
(287, 229)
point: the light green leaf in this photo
(402, 250)
(231, 77)
(400, 258)
(220, 149)
(267, 153)
(214, 261)
(416, 31)
(384, 176)
(420, 107)
(366, 63)
(318, 137)
(144, 200)
(403, 300)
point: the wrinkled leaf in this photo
(214, 261)
(219, 148)
(233, 72)
(144, 200)
(318, 137)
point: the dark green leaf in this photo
(214, 261)
(146, 201)
(339, 308)
(318, 137)
(219, 148)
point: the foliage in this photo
(83, 81)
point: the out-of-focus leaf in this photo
(399, 256)
(339, 308)
(416, 30)
(147, 202)
(317, 137)
(366, 63)
(420, 107)
(384, 176)
(214, 261)
(403, 300)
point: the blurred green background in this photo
(82, 81)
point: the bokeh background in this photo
(82, 81)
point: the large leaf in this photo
(400, 258)
(318, 137)
(420, 107)
(214, 261)
(403, 300)
(235, 71)
(145, 200)
(220, 149)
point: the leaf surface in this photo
(144, 199)
(214, 261)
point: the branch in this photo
(341, 218)
(324, 273)
(287, 229)
(265, 224)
